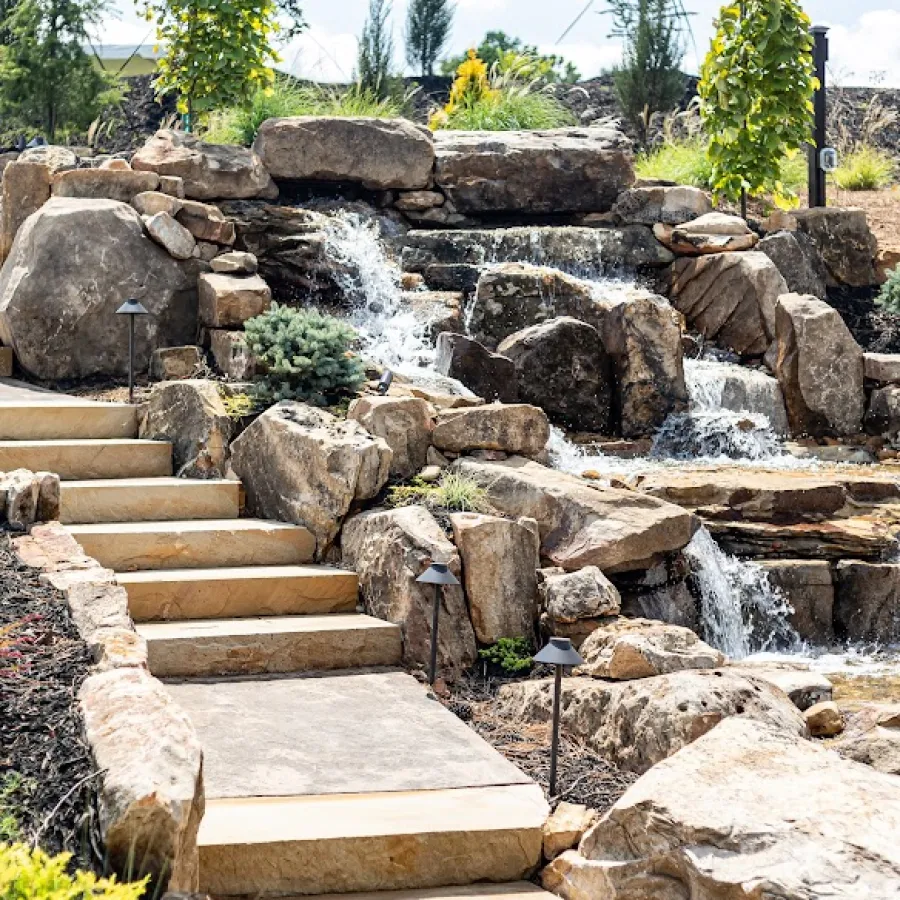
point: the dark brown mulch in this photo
(48, 778)
(582, 777)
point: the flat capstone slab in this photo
(352, 733)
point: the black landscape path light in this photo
(439, 575)
(131, 308)
(560, 653)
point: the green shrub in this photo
(511, 109)
(513, 655)
(304, 355)
(10, 784)
(27, 874)
(889, 296)
(239, 124)
(453, 493)
(865, 169)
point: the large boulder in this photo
(729, 298)
(404, 423)
(208, 171)
(563, 170)
(844, 240)
(489, 375)
(514, 428)
(635, 724)
(103, 184)
(799, 261)
(499, 563)
(746, 811)
(72, 264)
(668, 205)
(581, 524)
(819, 366)
(26, 188)
(190, 415)
(301, 464)
(867, 601)
(380, 154)
(573, 604)
(563, 351)
(390, 549)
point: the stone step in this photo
(76, 458)
(405, 840)
(148, 500)
(516, 890)
(59, 418)
(269, 645)
(234, 592)
(202, 544)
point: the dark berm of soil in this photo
(47, 775)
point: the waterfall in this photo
(740, 611)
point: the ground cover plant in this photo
(451, 493)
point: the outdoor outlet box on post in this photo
(828, 159)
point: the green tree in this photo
(218, 52)
(428, 24)
(375, 57)
(649, 78)
(47, 80)
(509, 53)
(756, 89)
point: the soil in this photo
(583, 776)
(48, 779)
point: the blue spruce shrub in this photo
(304, 355)
(889, 296)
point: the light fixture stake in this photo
(439, 575)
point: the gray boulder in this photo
(489, 375)
(669, 205)
(846, 243)
(799, 261)
(883, 414)
(867, 601)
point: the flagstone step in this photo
(76, 459)
(403, 840)
(269, 645)
(94, 501)
(201, 544)
(516, 890)
(58, 417)
(177, 594)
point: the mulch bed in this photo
(582, 776)
(48, 779)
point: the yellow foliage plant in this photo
(471, 85)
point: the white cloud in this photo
(321, 55)
(590, 59)
(867, 52)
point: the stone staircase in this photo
(327, 770)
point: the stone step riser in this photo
(147, 500)
(183, 595)
(76, 460)
(55, 420)
(213, 649)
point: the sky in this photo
(864, 36)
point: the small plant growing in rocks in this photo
(304, 355)
(453, 493)
(511, 655)
(889, 295)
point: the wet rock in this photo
(59, 316)
(867, 601)
(583, 525)
(824, 719)
(729, 298)
(883, 414)
(563, 351)
(872, 737)
(300, 464)
(103, 184)
(745, 806)
(500, 558)
(514, 428)
(404, 423)
(799, 261)
(845, 242)
(380, 154)
(623, 649)
(637, 723)
(489, 375)
(819, 367)
(573, 604)
(563, 170)
(390, 549)
(669, 205)
(670, 602)
(170, 235)
(228, 301)
(207, 171)
(172, 363)
(565, 828)
(805, 688)
(26, 188)
(807, 585)
(191, 415)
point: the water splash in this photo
(740, 610)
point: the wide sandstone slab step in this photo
(269, 645)
(78, 459)
(370, 842)
(147, 500)
(59, 417)
(516, 890)
(231, 592)
(202, 544)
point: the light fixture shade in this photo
(559, 652)
(437, 573)
(132, 308)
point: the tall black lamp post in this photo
(439, 575)
(131, 308)
(816, 169)
(560, 653)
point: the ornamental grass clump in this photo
(304, 355)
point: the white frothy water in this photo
(740, 611)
